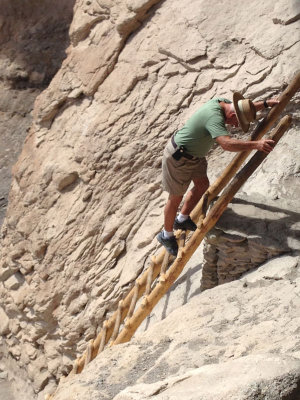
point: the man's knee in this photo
(175, 199)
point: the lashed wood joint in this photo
(144, 302)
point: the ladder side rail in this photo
(208, 223)
(261, 129)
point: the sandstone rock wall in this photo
(33, 40)
(86, 199)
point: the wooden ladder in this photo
(156, 280)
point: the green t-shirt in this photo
(198, 134)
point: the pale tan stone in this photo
(14, 282)
(86, 199)
(4, 327)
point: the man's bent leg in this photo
(166, 237)
(194, 195)
(171, 210)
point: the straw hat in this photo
(245, 110)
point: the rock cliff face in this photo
(33, 41)
(86, 200)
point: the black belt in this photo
(182, 151)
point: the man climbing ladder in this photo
(184, 157)
(123, 323)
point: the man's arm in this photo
(260, 105)
(230, 144)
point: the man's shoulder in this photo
(223, 99)
(215, 102)
(215, 121)
(213, 108)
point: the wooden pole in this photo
(165, 263)
(103, 337)
(149, 279)
(261, 129)
(135, 292)
(118, 321)
(241, 177)
(88, 355)
(208, 223)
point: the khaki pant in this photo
(177, 175)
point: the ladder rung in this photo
(149, 277)
(165, 263)
(118, 321)
(103, 337)
(134, 299)
(89, 351)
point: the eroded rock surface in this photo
(209, 347)
(247, 378)
(33, 41)
(86, 200)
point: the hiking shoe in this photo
(170, 244)
(187, 225)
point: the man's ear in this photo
(229, 115)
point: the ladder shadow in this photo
(278, 230)
(265, 206)
(185, 278)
